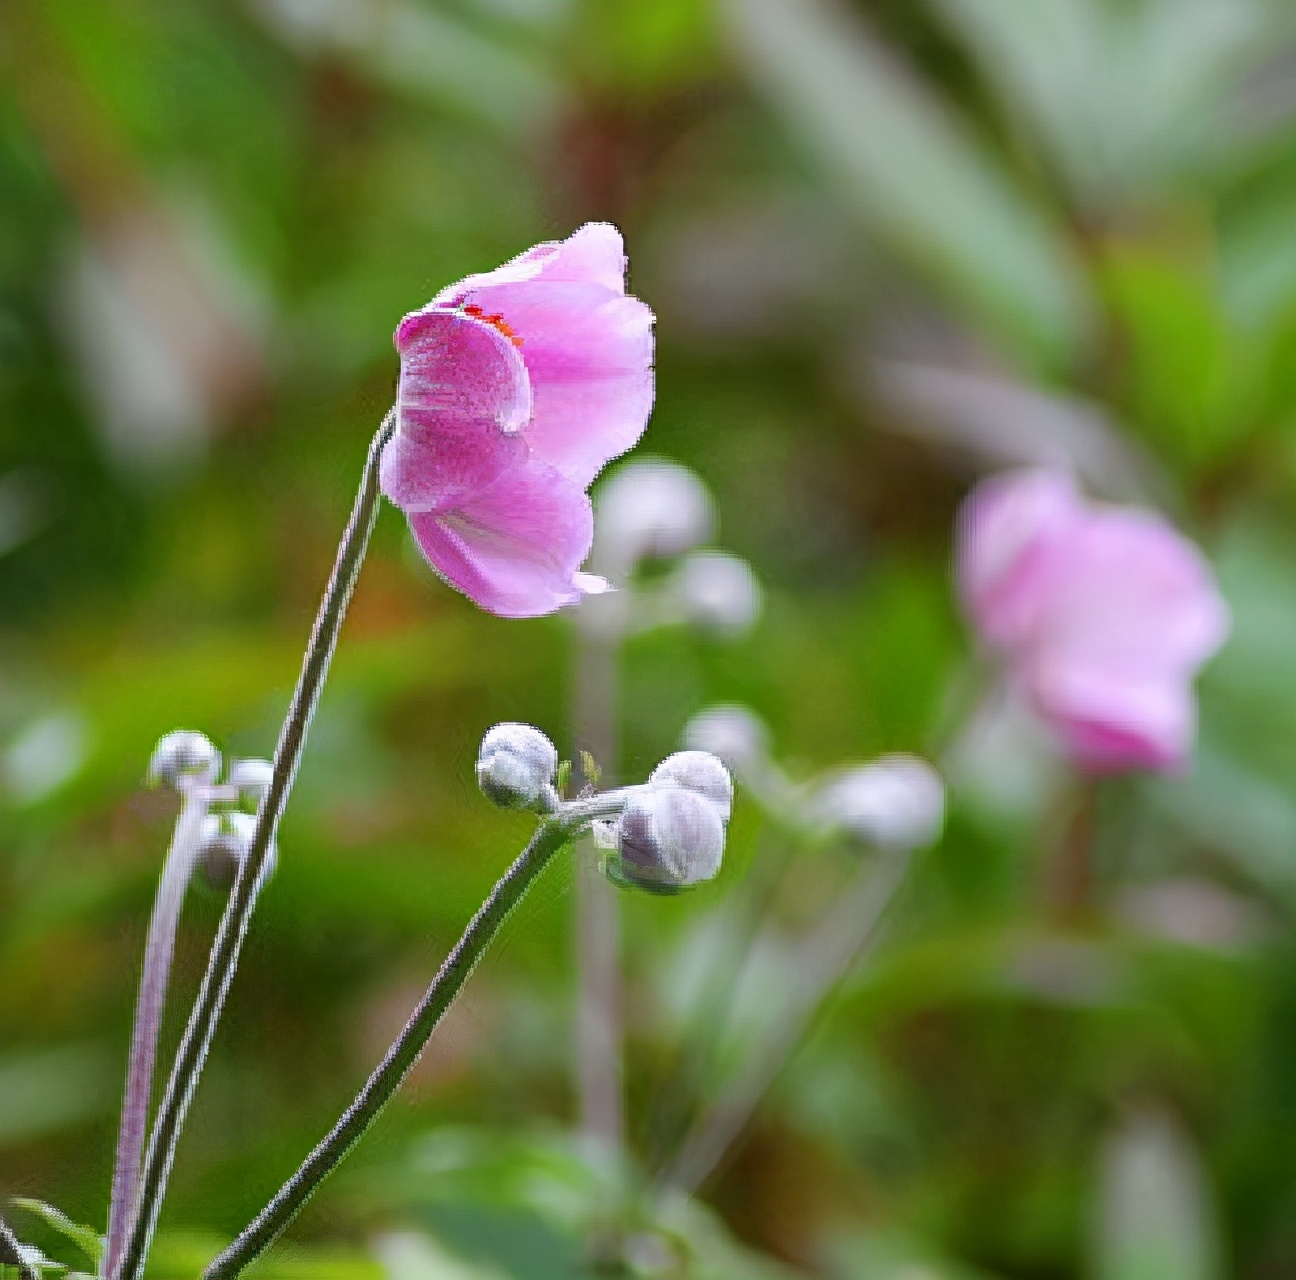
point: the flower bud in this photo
(184, 754)
(896, 802)
(516, 765)
(220, 854)
(667, 839)
(224, 845)
(718, 592)
(701, 773)
(731, 732)
(651, 508)
(251, 777)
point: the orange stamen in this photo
(495, 321)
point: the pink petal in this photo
(463, 398)
(516, 546)
(1126, 611)
(1104, 613)
(1126, 590)
(592, 254)
(1004, 528)
(589, 353)
(1111, 723)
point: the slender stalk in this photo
(158, 952)
(827, 957)
(553, 832)
(11, 1253)
(238, 911)
(1068, 869)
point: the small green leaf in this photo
(563, 778)
(87, 1239)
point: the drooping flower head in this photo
(516, 388)
(1103, 614)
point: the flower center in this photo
(495, 321)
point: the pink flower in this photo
(516, 388)
(1103, 615)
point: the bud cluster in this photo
(669, 832)
(189, 762)
(663, 835)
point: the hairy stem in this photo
(826, 958)
(158, 952)
(554, 831)
(238, 911)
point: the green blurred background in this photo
(891, 245)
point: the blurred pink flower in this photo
(516, 388)
(1103, 615)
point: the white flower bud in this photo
(896, 802)
(700, 772)
(251, 777)
(667, 839)
(224, 845)
(651, 508)
(717, 592)
(733, 733)
(516, 765)
(184, 754)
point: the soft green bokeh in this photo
(891, 245)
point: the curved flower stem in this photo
(238, 911)
(554, 832)
(826, 959)
(11, 1253)
(158, 952)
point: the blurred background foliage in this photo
(891, 245)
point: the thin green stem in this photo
(553, 832)
(225, 950)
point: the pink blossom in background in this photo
(1102, 614)
(516, 387)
